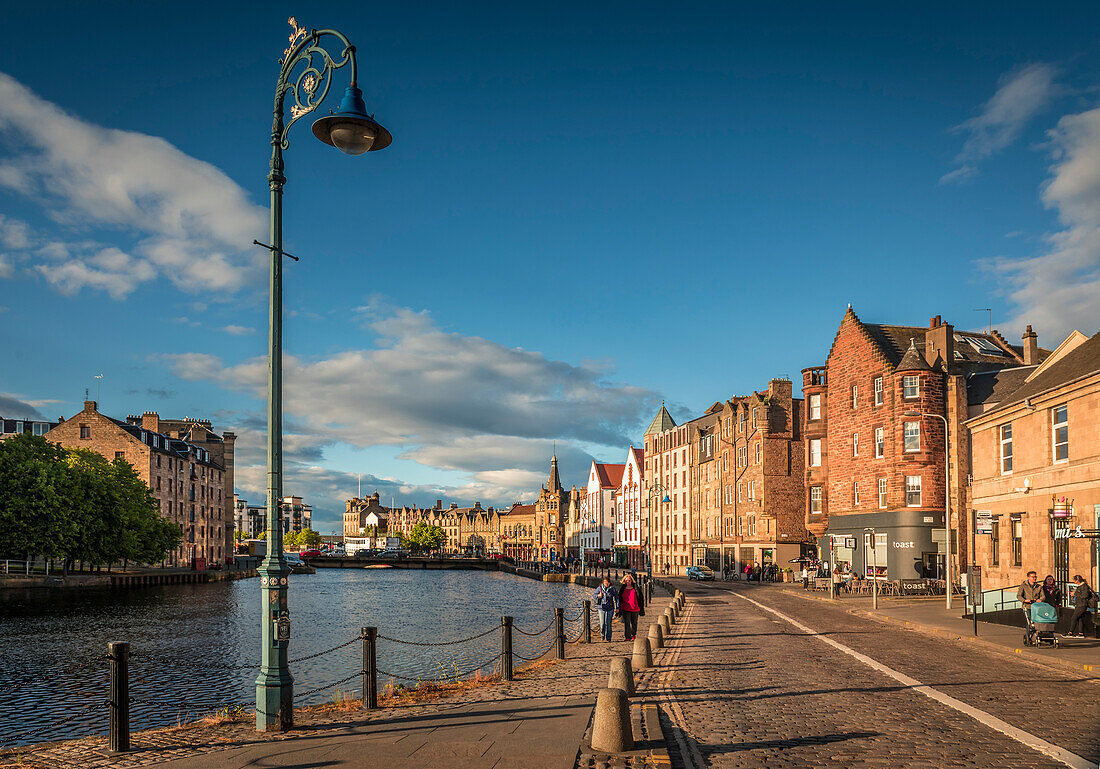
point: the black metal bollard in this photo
(588, 622)
(370, 668)
(559, 623)
(506, 648)
(118, 740)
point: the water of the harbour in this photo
(184, 638)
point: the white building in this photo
(597, 525)
(629, 542)
(250, 519)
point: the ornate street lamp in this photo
(353, 131)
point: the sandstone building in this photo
(189, 469)
(1035, 453)
(875, 442)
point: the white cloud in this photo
(1020, 96)
(238, 330)
(1056, 291)
(6, 268)
(14, 234)
(457, 403)
(189, 221)
(109, 270)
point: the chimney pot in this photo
(1031, 347)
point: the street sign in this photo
(983, 521)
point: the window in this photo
(815, 406)
(741, 456)
(1059, 416)
(995, 543)
(882, 493)
(912, 436)
(120, 454)
(85, 431)
(754, 417)
(855, 492)
(855, 397)
(878, 391)
(752, 490)
(815, 452)
(910, 386)
(741, 424)
(880, 442)
(1017, 541)
(815, 499)
(740, 492)
(1006, 449)
(855, 444)
(912, 491)
(758, 452)
(982, 345)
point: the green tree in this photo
(309, 539)
(290, 541)
(33, 515)
(423, 537)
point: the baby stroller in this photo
(1041, 620)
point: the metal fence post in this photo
(119, 726)
(370, 667)
(588, 622)
(559, 623)
(506, 647)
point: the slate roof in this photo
(995, 386)
(639, 458)
(912, 360)
(1081, 362)
(180, 449)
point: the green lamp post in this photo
(353, 131)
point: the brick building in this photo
(1035, 454)
(875, 446)
(189, 469)
(750, 472)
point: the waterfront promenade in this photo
(753, 676)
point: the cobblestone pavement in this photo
(748, 689)
(544, 686)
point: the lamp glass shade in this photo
(666, 500)
(350, 129)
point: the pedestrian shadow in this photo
(794, 742)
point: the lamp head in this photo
(911, 413)
(350, 129)
(666, 500)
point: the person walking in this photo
(1084, 598)
(631, 606)
(607, 602)
(1052, 594)
(1029, 592)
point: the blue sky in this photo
(585, 210)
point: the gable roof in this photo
(639, 458)
(663, 421)
(609, 475)
(1082, 362)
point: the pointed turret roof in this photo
(913, 360)
(663, 421)
(553, 484)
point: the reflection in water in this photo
(189, 642)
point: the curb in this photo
(1025, 654)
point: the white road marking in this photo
(1026, 738)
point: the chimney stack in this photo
(150, 421)
(1031, 347)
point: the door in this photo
(935, 565)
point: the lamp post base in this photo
(274, 707)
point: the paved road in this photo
(755, 690)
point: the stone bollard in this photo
(621, 676)
(611, 732)
(641, 657)
(673, 615)
(666, 627)
(656, 635)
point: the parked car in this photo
(700, 572)
(293, 559)
(312, 553)
(337, 552)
